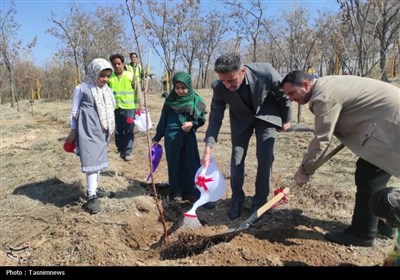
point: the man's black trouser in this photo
(265, 140)
(368, 179)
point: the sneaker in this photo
(128, 158)
(93, 205)
(347, 238)
(101, 193)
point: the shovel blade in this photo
(247, 223)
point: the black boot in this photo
(364, 224)
(385, 231)
(346, 237)
(363, 229)
(368, 179)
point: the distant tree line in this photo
(361, 38)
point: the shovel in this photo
(256, 215)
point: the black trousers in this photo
(369, 179)
(124, 128)
(265, 137)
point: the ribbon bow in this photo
(283, 200)
(201, 182)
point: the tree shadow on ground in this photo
(52, 191)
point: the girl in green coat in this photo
(182, 114)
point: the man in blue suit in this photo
(256, 104)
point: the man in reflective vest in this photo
(135, 67)
(128, 98)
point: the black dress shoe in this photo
(192, 197)
(234, 210)
(347, 238)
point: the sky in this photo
(34, 18)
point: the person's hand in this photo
(72, 136)
(205, 160)
(187, 126)
(154, 143)
(285, 127)
(300, 178)
(74, 116)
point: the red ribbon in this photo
(201, 182)
(284, 199)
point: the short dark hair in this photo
(228, 62)
(133, 53)
(117, 55)
(296, 77)
(385, 203)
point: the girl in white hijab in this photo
(92, 124)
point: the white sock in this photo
(91, 179)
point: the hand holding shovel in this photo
(284, 191)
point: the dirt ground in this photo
(43, 192)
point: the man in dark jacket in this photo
(256, 104)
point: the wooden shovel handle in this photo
(286, 190)
(274, 200)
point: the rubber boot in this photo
(385, 231)
(368, 179)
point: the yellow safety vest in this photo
(125, 96)
(137, 71)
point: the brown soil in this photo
(43, 192)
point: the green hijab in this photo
(191, 105)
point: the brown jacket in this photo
(363, 113)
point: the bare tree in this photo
(10, 47)
(249, 20)
(301, 39)
(164, 26)
(71, 33)
(135, 33)
(86, 36)
(386, 19)
(334, 48)
(58, 79)
(356, 15)
(191, 42)
(213, 31)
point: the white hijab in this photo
(103, 96)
